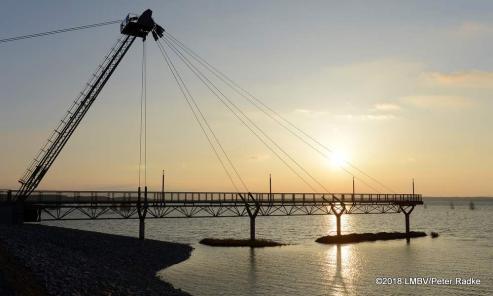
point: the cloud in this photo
(472, 79)
(311, 113)
(378, 117)
(386, 107)
(373, 114)
(474, 29)
(439, 102)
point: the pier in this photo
(92, 205)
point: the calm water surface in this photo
(464, 249)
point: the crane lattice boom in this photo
(131, 28)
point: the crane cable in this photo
(231, 105)
(143, 119)
(223, 78)
(277, 118)
(189, 99)
(58, 31)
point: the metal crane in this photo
(132, 26)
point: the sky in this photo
(400, 89)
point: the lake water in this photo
(464, 249)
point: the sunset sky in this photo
(401, 89)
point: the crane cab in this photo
(138, 26)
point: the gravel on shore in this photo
(74, 262)
(5, 289)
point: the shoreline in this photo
(52, 260)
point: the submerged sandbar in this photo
(229, 242)
(367, 237)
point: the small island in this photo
(366, 237)
(229, 242)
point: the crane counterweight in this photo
(139, 26)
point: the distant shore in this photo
(45, 260)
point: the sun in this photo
(337, 160)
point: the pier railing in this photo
(109, 197)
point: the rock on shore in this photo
(74, 262)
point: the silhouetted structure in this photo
(29, 205)
(90, 205)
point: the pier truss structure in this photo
(91, 205)
(99, 205)
(84, 205)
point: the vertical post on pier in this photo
(413, 187)
(162, 188)
(353, 189)
(270, 188)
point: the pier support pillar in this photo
(252, 214)
(407, 223)
(407, 212)
(338, 221)
(142, 212)
(252, 211)
(142, 229)
(338, 210)
(252, 228)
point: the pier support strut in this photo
(407, 212)
(142, 212)
(252, 215)
(338, 210)
(252, 211)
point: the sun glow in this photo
(337, 160)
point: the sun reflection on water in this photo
(338, 269)
(346, 224)
(341, 266)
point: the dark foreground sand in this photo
(44, 260)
